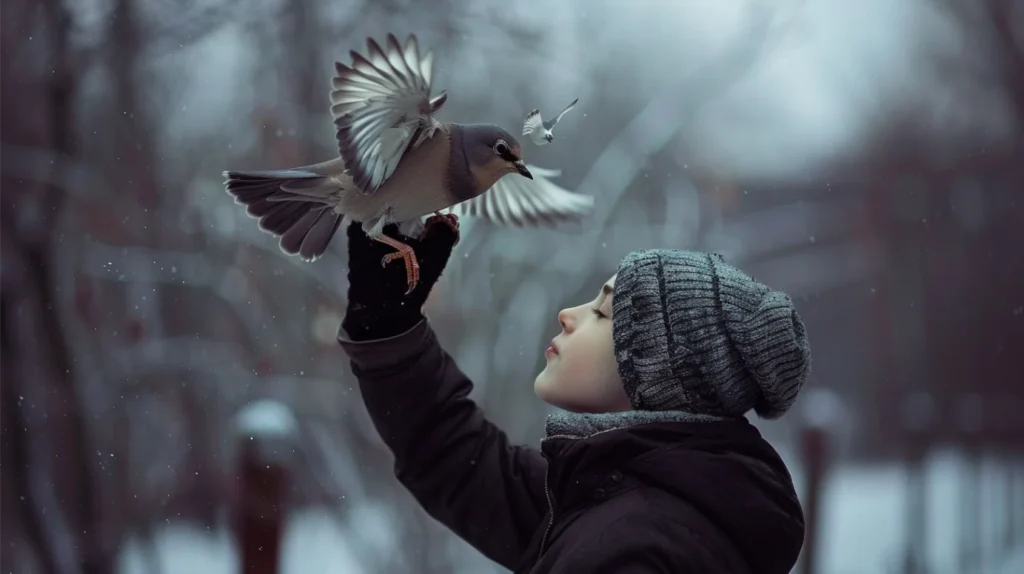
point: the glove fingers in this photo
(370, 281)
(434, 251)
(441, 233)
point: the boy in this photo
(651, 468)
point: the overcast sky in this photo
(831, 67)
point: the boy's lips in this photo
(552, 348)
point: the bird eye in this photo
(501, 148)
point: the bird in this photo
(396, 164)
(540, 130)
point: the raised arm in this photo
(459, 466)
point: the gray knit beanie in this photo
(692, 333)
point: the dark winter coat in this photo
(672, 497)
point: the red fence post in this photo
(814, 449)
(260, 513)
(264, 431)
(823, 414)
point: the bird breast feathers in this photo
(426, 162)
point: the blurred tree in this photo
(988, 54)
(40, 391)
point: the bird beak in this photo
(521, 168)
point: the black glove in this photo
(378, 306)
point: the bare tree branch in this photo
(176, 30)
(792, 225)
(61, 171)
(33, 243)
(992, 25)
(321, 272)
(179, 268)
(659, 123)
(29, 449)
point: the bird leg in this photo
(449, 219)
(405, 253)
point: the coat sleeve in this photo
(459, 466)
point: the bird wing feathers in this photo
(533, 122)
(551, 123)
(516, 201)
(382, 106)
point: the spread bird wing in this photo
(516, 201)
(533, 122)
(382, 107)
(551, 123)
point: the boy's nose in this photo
(565, 320)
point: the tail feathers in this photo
(251, 187)
(295, 205)
(309, 236)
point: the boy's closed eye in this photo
(603, 300)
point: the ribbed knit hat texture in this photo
(693, 333)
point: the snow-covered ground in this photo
(862, 531)
(862, 522)
(863, 518)
(314, 544)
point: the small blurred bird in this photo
(540, 130)
(396, 164)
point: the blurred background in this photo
(173, 400)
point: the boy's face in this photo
(581, 375)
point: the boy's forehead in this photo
(611, 282)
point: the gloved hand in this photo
(378, 306)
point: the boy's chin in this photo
(546, 390)
(540, 386)
(544, 386)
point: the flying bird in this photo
(540, 130)
(396, 164)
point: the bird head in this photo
(493, 153)
(549, 137)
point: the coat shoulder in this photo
(659, 530)
(642, 540)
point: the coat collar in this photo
(589, 455)
(583, 425)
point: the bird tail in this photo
(295, 205)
